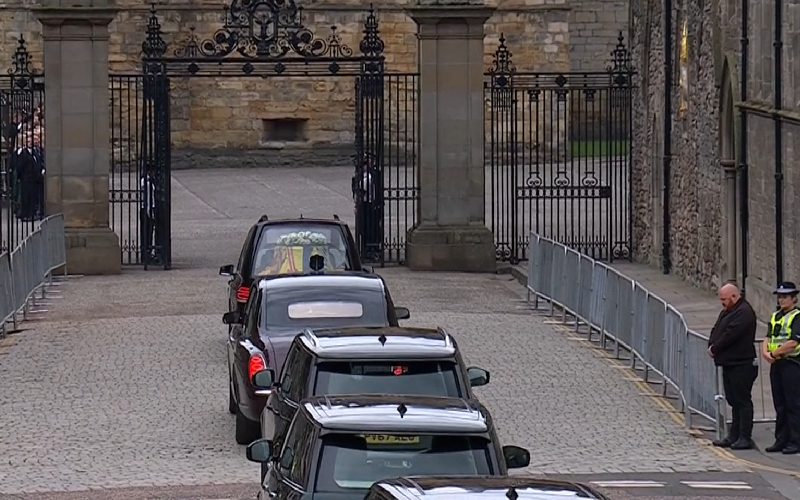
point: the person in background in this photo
(24, 168)
(148, 217)
(731, 346)
(37, 153)
(781, 349)
(366, 192)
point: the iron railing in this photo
(557, 156)
(625, 313)
(27, 269)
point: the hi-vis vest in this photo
(780, 330)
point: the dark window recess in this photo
(284, 129)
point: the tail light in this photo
(242, 294)
(257, 364)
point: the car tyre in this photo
(247, 431)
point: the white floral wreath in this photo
(302, 238)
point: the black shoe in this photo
(723, 443)
(791, 450)
(776, 447)
(742, 444)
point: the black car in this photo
(483, 488)
(338, 446)
(278, 309)
(390, 360)
(284, 247)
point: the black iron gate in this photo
(21, 149)
(139, 176)
(264, 39)
(558, 154)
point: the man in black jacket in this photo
(731, 346)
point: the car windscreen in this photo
(288, 248)
(354, 462)
(324, 307)
(414, 377)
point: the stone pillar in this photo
(451, 235)
(75, 34)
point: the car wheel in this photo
(247, 431)
(231, 401)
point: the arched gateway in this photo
(263, 39)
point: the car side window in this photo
(302, 363)
(288, 365)
(295, 373)
(297, 471)
(245, 247)
(253, 314)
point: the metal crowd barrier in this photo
(625, 312)
(29, 266)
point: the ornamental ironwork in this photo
(21, 60)
(154, 45)
(273, 29)
(501, 63)
(620, 57)
(262, 38)
(371, 44)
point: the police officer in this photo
(781, 349)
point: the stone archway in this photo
(728, 269)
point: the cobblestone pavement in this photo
(122, 383)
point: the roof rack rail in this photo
(335, 217)
(416, 485)
(448, 341)
(263, 218)
(309, 334)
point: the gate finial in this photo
(620, 57)
(502, 64)
(21, 60)
(154, 45)
(371, 45)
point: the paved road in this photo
(122, 383)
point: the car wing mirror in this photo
(233, 318)
(259, 450)
(516, 457)
(402, 312)
(226, 270)
(264, 379)
(477, 376)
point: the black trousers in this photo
(737, 380)
(369, 221)
(784, 376)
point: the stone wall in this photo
(213, 119)
(761, 131)
(648, 58)
(594, 26)
(696, 176)
(698, 206)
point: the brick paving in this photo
(123, 383)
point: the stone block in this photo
(466, 249)
(93, 251)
